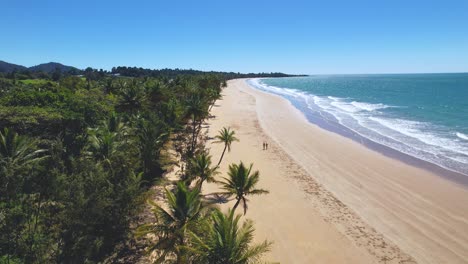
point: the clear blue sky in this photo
(313, 37)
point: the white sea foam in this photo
(277, 90)
(369, 107)
(347, 107)
(354, 106)
(462, 136)
(420, 131)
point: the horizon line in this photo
(307, 74)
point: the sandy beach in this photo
(331, 199)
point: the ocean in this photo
(424, 116)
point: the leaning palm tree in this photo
(184, 209)
(223, 240)
(226, 136)
(241, 183)
(200, 167)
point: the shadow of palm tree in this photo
(216, 198)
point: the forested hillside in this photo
(9, 67)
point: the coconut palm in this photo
(225, 241)
(200, 167)
(241, 183)
(226, 136)
(184, 209)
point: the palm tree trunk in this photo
(193, 135)
(197, 132)
(237, 204)
(222, 155)
(200, 184)
(179, 256)
(211, 106)
(35, 224)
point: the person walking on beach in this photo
(264, 145)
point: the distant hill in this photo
(44, 67)
(51, 66)
(9, 67)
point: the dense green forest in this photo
(78, 155)
(54, 70)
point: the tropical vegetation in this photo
(79, 155)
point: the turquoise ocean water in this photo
(421, 115)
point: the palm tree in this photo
(225, 136)
(132, 96)
(109, 86)
(184, 210)
(225, 241)
(16, 152)
(197, 111)
(104, 145)
(151, 138)
(213, 95)
(108, 139)
(201, 168)
(241, 183)
(16, 149)
(115, 124)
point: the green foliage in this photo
(224, 241)
(201, 169)
(36, 81)
(47, 110)
(98, 205)
(184, 213)
(83, 153)
(151, 135)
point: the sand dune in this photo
(333, 200)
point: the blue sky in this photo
(313, 37)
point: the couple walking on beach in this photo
(265, 146)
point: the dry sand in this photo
(331, 199)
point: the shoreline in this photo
(390, 152)
(330, 194)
